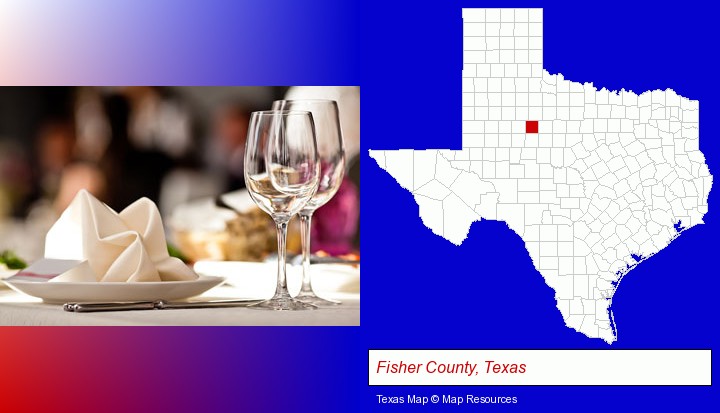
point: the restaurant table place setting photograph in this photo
(236, 246)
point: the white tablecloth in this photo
(20, 310)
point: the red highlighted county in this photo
(531, 126)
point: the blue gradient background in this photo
(178, 42)
(485, 294)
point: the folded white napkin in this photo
(125, 247)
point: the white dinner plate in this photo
(258, 279)
(64, 292)
(5, 274)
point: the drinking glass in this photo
(281, 174)
(331, 154)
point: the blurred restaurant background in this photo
(179, 146)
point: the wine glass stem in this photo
(305, 221)
(282, 290)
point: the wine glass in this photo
(331, 154)
(281, 174)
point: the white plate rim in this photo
(30, 288)
(201, 278)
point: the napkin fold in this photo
(113, 247)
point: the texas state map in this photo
(593, 181)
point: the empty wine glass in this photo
(281, 174)
(331, 154)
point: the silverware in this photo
(89, 307)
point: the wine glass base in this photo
(311, 298)
(282, 304)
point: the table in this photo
(20, 310)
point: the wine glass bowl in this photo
(282, 175)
